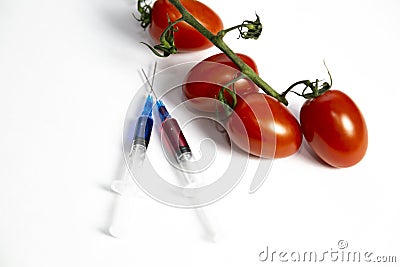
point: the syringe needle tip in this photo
(154, 73)
(147, 79)
(148, 82)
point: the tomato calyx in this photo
(232, 92)
(247, 30)
(318, 87)
(227, 105)
(167, 42)
(145, 13)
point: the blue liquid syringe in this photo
(141, 138)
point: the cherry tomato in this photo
(206, 79)
(270, 129)
(335, 128)
(186, 38)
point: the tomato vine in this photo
(248, 30)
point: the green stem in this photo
(219, 42)
(241, 76)
(223, 32)
(294, 85)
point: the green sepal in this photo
(145, 13)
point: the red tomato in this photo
(205, 80)
(186, 38)
(335, 128)
(270, 129)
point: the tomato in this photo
(186, 38)
(207, 77)
(270, 129)
(335, 128)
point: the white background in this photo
(68, 71)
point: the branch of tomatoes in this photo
(330, 121)
(248, 30)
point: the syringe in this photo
(176, 141)
(180, 148)
(141, 138)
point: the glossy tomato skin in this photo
(186, 38)
(205, 79)
(335, 128)
(271, 130)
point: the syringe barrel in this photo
(143, 129)
(136, 157)
(134, 160)
(172, 133)
(187, 165)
